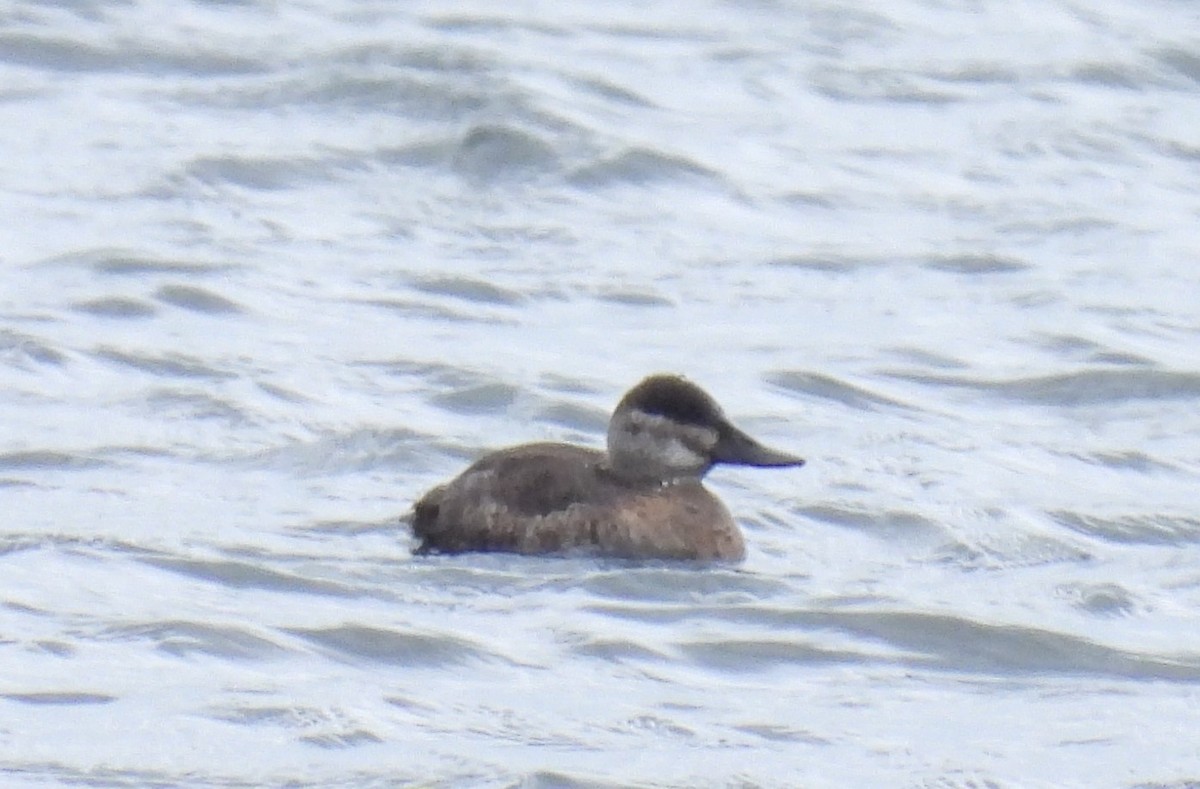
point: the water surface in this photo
(271, 270)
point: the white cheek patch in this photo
(657, 439)
(680, 455)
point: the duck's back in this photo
(553, 498)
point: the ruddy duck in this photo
(642, 499)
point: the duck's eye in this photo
(635, 429)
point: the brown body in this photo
(557, 498)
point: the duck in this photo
(640, 498)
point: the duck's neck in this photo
(640, 474)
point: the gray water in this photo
(270, 270)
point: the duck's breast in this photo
(679, 521)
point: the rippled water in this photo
(271, 270)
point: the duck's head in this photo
(666, 428)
